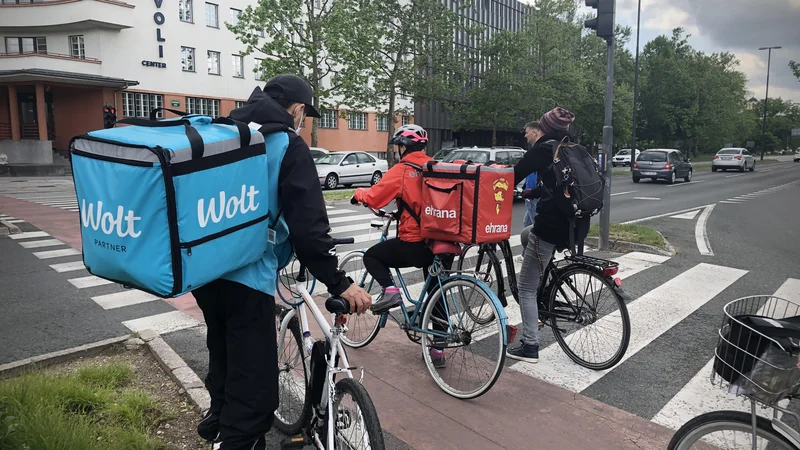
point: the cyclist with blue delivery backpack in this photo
(239, 309)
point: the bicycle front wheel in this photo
(357, 425)
(473, 352)
(589, 318)
(294, 403)
(360, 329)
(728, 430)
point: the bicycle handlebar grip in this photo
(344, 241)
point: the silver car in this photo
(733, 158)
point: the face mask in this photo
(302, 121)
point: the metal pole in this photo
(636, 86)
(766, 102)
(608, 141)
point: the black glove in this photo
(353, 200)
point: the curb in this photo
(178, 370)
(8, 228)
(626, 247)
(16, 367)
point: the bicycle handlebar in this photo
(344, 241)
(380, 212)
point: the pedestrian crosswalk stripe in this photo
(68, 267)
(87, 282)
(335, 212)
(650, 315)
(162, 323)
(56, 253)
(123, 298)
(685, 405)
(43, 243)
(356, 227)
(28, 235)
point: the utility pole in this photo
(766, 102)
(604, 25)
(636, 86)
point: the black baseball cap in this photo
(293, 88)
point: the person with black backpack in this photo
(570, 187)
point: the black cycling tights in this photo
(394, 253)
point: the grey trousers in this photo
(536, 258)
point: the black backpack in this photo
(579, 185)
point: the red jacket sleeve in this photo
(388, 189)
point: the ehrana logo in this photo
(228, 206)
(500, 187)
(440, 213)
(92, 216)
(495, 229)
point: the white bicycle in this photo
(309, 394)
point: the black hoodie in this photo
(550, 225)
(300, 193)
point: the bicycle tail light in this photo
(618, 282)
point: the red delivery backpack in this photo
(466, 203)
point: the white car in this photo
(318, 152)
(797, 157)
(508, 156)
(623, 157)
(348, 168)
(733, 158)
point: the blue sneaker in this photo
(524, 352)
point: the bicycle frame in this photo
(332, 336)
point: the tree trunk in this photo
(315, 102)
(390, 123)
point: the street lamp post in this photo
(766, 102)
(636, 86)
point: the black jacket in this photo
(300, 193)
(550, 225)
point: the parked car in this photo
(508, 156)
(441, 154)
(348, 168)
(666, 163)
(623, 157)
(318, 152)
(797, 156)
(733, 158)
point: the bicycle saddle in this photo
(337, 305)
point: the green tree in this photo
(411, 52)
(312, 39)
(795, 66)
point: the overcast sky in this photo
(737, 26)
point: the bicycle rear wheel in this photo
(357, 425)
(728, 430)
(294, 403)
(360, 329)
(487, 269)
(482, 346)
(577, 298)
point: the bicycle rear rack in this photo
(590, 261)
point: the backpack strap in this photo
(402, 205)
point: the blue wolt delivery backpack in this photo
(168, 206)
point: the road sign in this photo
(175, 103)
(795, 131)
(750, 144)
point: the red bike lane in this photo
(519, 412)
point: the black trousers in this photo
(395, 253)
(242, 375)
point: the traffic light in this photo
(603, 24)
(109, 116)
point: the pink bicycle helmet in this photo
(411, 136)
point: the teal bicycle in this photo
(441, 317)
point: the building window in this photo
(187, 59)
(238, 66)
(76, 48)
(328, 118)
(406, 120)
(318, 4)
(235, 16)
(186, 11)
(213, 63)
(358, 120)
(261, 33)
(239, 104)
(205, 106)
(137, 104)
(383, 122)
(212, 15)
(259, 69)
(22, 45)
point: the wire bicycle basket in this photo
(758, 350)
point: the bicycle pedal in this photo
(295, 442)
